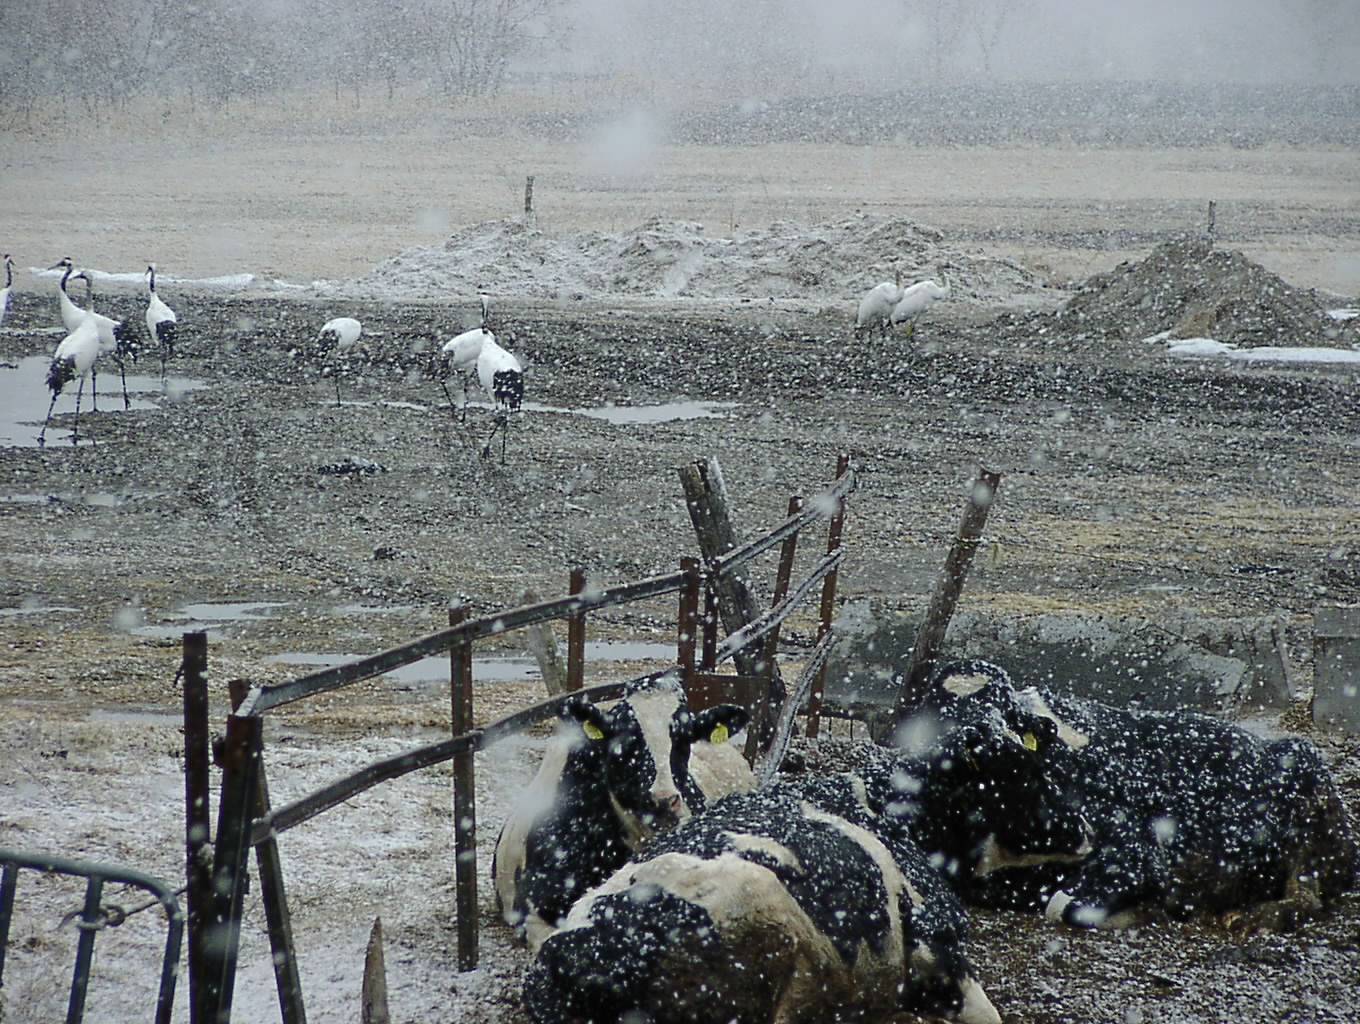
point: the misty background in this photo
(76, 58)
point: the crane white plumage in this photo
(9, 284)
(116, 337)
(71, 314)
(916, 300)
(335, 341)
(161, 321)
(460, 354)
(74, 359)
(875, 308)
(502, 378)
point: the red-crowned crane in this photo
(161, 320)
(916, 300)
(460, 353)
(74, 359)
(875, 308)
(117, 338)
(335, 341)
(9, 283)
(502, 378)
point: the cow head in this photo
(642, 747)
(980, 800)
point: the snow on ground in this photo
(667, 259)
(387, 853)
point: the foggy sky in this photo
(891, 42)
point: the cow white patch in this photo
(994, 856)
(1073, 738)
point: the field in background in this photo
(322, 187)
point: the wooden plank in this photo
(262, 698)
(930, 637)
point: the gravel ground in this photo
(1133, 483)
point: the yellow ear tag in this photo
(592, 730)
(719, 734)
(1030, 740)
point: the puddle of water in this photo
(100, 499)
(665, 413)
(24, 397)
(136, 716)
(35, 609)
(203, 616)
(434, 670)
(631, 414)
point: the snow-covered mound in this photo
(665, 259)
(1189, 289)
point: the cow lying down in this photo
(612, 777)
(807, 900)
(1188, 813)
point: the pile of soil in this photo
(668, 259)
(1192, 290)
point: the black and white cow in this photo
(611, 778)
(808, 900)
(1188, 813)
(765, 908)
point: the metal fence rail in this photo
(93, 917)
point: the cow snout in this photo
(666, 806)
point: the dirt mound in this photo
(1192, 290)
(669, 259)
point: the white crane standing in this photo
(336, 339)
(916, 300)
(116, 337)
(875, 308)
(9, 284)
(502, 378)
(74, 359)
(460, 354)
(161, 320)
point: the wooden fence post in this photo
(827, 608)
(576, 636)
(464, 800)
(197, 822)
(706, 499)
(278, 921)
(240, 760)
(930, 637)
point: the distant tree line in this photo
(95, 54)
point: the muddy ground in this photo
(1133, 484)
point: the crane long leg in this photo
(80, 391)
(122, 375)
(42, 434)
(94, 391)
(501, 423)
(453, 410)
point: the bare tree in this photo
(475, 40)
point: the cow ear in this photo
(1039, 734)
(592, 719)
(716, 724)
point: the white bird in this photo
(9, 283)
(460, 354)
(74, 359)
(116, 337)
(916, 300)
(161, 320)
(336, 339)
(502, 378)
(71, 314)
(875, 309)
